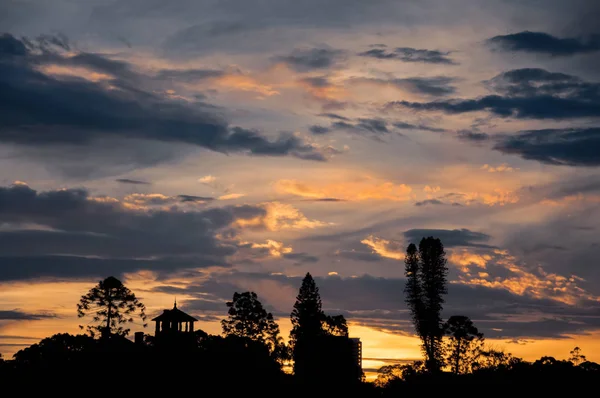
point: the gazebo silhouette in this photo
(174, 321)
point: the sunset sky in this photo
(197, 148)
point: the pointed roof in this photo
(175, 315)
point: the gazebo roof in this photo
(175, 315)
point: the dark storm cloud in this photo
(78, 225)
(544, 43)
(132, 182)
(40, 110)
(16, 315)
(570, 147)
(450, 237)
(309, 59)
(409, 54)
(525, 94)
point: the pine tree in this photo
(307, 316)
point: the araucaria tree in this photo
(308, 319)
(425, 271)
(112, 306)
(248, 318)
(463, 345)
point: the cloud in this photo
(384, 247)
(408, 54)
(132, 182)
(231, 196)
(525, 94)
(194, 198)
(360, 190)
(69, 232)
(318, 130)
(410, 126)
(189, 75)
(507, 273)
(429, 202)
(147, 200)
(207, 179)
(544, 43)
(450, 238)
(430, 86)
(472, 136)
(16, 315)
(334, 116)
(503, 168)
(280, 216)
(376, 126)
(47, 111)
(310, 59)
(564, 147)
(374, 302)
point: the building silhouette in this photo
(173, 321)
(328, 360)
(174, 330)
(356, 349)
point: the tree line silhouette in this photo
(251, 357)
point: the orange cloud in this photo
(326, 91)
(366, 189)
(245, 83)
(74, 71)
(280, 216)
(503, 168)
(384, 247)
(465, 259)
(275, 248)
(520, 280)
(231, 196)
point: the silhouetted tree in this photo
(336, 325)
(307, 316)
(464, 343)
(494, 359)
(57, 349)
(576, 357)
(111, 305)
(248, 318)
(425, 272)
(389, 374)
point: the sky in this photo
(198, 148)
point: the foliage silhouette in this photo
(241, 364)
(247, 318)
(320, 345)
(576, 357)
(111, 305)
(425, 271)
(463, 345)
(307, 315)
